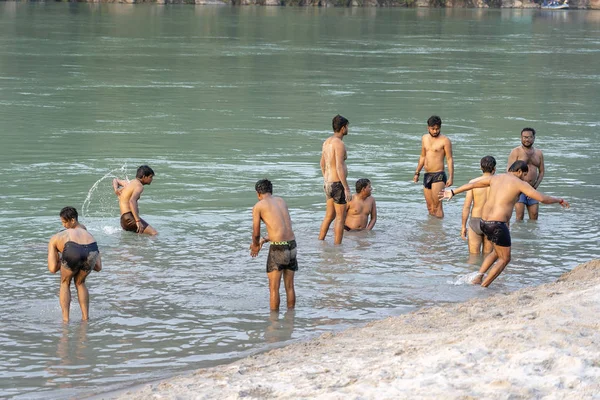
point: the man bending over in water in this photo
(504, 193)
(129, 193)
(273, 211)
(477, 198)
(75, 253)
(361, 207)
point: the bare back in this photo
(503, 193)
(333, 157)
(434, 150)
(78, 235)
(132, 190)
(273, 211)
(480, 196)
(534, 160)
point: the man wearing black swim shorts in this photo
(75, 253)
(497, 210)
(129, 193)
(273, 211)
(335, 172)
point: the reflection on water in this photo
(216, 99)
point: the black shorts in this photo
(79, 257)
(335, 191)
(433, 177)
(282, 255)
(128, 222)
(497, 232)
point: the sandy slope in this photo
(541, 342)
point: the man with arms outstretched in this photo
(74, 252)
(273, 211)
(362, 209)
(474, 201)
(129, 193)
(435, 147)
(535, 161)
(337, 191)
(504, 192)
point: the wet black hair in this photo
(264, 186)
(144, 171)
(488, 163)
(69, 213)
(434, 120)
(338, 123)
(361, 184)
(519, 165)
(528, 130)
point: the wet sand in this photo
(541, 342)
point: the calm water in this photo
(216, 98)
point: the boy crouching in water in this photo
(273, 211)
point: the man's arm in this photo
(118, 185)
(133, 206)
(340, 167)
(256, 239)
(450, 161)
(541, 171)
(481, 182)
(529, 191)
(53, 260)
(373, 216)
(465, 213)
(421, 163)
(323, 164)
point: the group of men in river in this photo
(488, 207)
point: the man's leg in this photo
(274, 281)
(149, 230)
(428, 200)
(329, 217)
(474, 241)
(436, 188)
(485, 265)
(340, 220)
(82, 294)
(290, 293)
(488, 246)
(65, 292)
(520, 211)
(503, 254)
(532, 210)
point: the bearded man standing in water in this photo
(535, 161)
(129, 193)
(335, 173)
(434, 148)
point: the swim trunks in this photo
(282, 255)
(79, 257)
(433, 177)
(527, 200)
(128, 222)
(497, 232)
(335, 191)
(474, 225)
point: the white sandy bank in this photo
(541, 342)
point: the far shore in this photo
(539, 342)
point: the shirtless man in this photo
(129, 193)
(434, 148)
(273, 211)
(361, 207)
(75, 253)
(504, 192)
(535, 161)
(337, 191)
(474, 201)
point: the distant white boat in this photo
(555, 5)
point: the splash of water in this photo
(465, 279)
(85, 208)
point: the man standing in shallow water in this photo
(282, 253)
(504, 192)
(434, 148)
(129, 193)
(535, 161)
(75, 253)
(335, 172)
